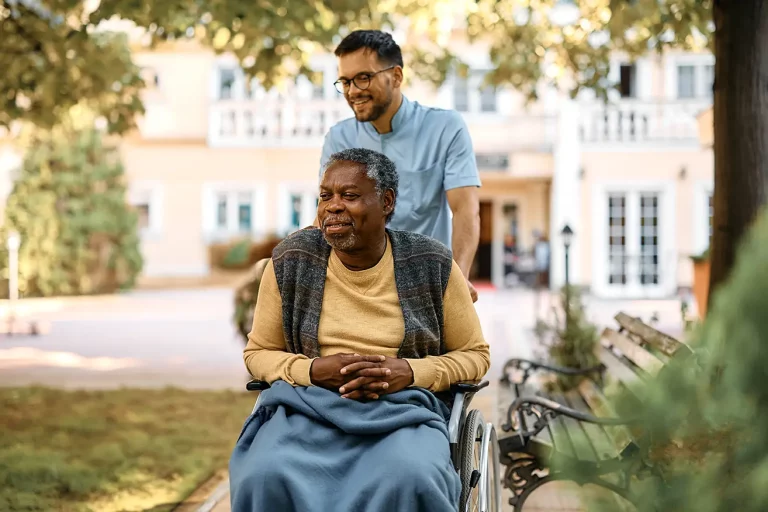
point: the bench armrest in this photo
(528, 367)
(546, 409)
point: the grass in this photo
(112, 451)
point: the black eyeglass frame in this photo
(345, 83)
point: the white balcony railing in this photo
(637, 121)
(273, 123)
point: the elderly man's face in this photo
(351, 213)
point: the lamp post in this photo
(13, 243)
(567, 234)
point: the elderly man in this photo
(357, 327)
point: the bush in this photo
(705, 418)
(78, 235)
(571, 342)
(241, 254)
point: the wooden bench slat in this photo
(598, 438)
(601, 407)
(562, 440)
(635, 353)
(662, 342)
(618, 369)
(580, 442)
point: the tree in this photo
(78, 235)
(53, 59)
(529, 46)
(741, 127)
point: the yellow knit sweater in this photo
(361, 314)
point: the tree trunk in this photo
(741, 127)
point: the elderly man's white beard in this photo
(341, 242)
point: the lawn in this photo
(112, 451)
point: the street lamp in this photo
(13, 243)
(567, 234)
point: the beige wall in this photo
(178, 107)
(181, 172)
(707, 128)
(633, 168)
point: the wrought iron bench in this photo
(550, 430)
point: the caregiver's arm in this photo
(265, 355)
(468, 355)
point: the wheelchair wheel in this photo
(491, 481)
(470, 466)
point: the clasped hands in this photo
(361, 377)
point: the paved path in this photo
(185, 338)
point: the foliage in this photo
(59, 54)
(571, 343)
(237, 254)
(569, 44)
(110, 451)
(53, 59)
(245, 299)
(704, 418)
(241, 254)
(78, 235)
(703, 256)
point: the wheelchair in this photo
(474, 448)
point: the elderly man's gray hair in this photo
(378, 168)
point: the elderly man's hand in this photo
(331, 372)
(367, 383)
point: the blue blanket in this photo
(308, 449)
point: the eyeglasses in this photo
(362, 81)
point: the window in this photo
(295, 212)
(492, 161)
(145, 199)
(318, 90)
(244, 205)
(617, 239)
(460, 94)
(488, 99)
(142, 210)
(221, 211)
(686, 82)
(649, 239)
(150, 77)
(226, 84)
(231, 212)
(627, 78)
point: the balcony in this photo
(273, 123)
(665, 122)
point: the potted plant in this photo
(701, 281)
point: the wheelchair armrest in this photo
(464, 392)
(257, 385)
(468, 387)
